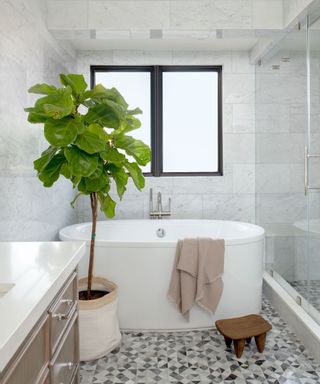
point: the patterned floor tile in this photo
(201, 357)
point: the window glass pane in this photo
(190, 121)
(135, 88)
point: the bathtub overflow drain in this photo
(161, 232)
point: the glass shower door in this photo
(312, 165)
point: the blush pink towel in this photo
(197, 274)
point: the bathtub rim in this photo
(159, 243)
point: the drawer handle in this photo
(64, 316)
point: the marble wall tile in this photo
(280, 208)
(244, 178)
(203, 14)
(267, 14)
(243, 118)
(110, 14)
(273, 178)
(67, 15)
(239, 148)
(238, 88)
(280, 148)
(142, 57)
(271, 117)
(239, 207)
(204, 58)
(186, 206)
(29, 211)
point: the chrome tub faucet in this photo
(159, 212)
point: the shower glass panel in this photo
(281, 135)
(313, 171)
(288, 161)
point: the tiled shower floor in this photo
(201, 357)
(305, 289)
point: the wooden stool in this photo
(241, 329)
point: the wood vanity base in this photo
(240, 331)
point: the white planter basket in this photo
(98, 321)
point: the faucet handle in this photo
(150, 200)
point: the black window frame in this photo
(156, 110)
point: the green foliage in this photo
(81, 149)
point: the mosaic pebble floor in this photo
(201, 357)
(309, 289)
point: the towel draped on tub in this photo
(197, 274)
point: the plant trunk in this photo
(94, 209)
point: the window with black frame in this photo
(182, 114)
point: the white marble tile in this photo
(273, 178)
(142, 57)
(240, 62)
(67, 15)
(203, 58)
(272, 117)
(238, 88)
(227, 110)
(243, 118)
(244, 178)
(186, 206)
(281, 148)
(239, 148)
(205, 185)
(203, 14)
(29, 211)
(281, 208)
(238, 207)
(110, 14)
(267, 14)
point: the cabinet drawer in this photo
(32, 361)
(62, 310)
(66, 358)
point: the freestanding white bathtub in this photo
(130, 253)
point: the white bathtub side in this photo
(143, 275)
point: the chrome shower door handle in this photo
(307, 156)
(306, 167)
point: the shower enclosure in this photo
(288, 160)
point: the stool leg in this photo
(238, 347)
(248, 340)
(227, 341)
(260, 342)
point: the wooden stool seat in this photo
(241, 329)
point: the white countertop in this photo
(35, 272)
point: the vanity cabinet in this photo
(50, 353)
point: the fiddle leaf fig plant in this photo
(93, 148)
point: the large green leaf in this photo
(129, 124)
(135, 148)
(42, 89)
(120, 177)
(62, 132)
(136, 111)
(51, 172)
(112, 155)
(81, 163)
(76, 82)
(106, 114)
(57, 104)
(35, 117)
(107, 204)
(90, 142)
(136, 174)
(45, 158)
(97, 184)
(99, 94)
